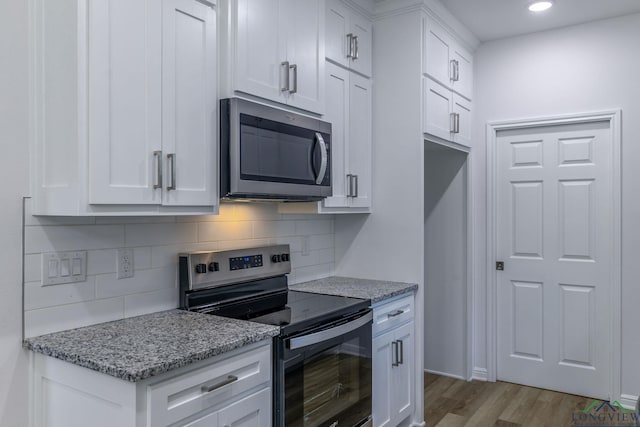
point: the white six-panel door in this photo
(554, 234)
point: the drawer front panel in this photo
(392, 314)
(177, 398)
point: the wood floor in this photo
(455, 403)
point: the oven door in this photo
(323, 377)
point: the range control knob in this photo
(214, 266)
(284, 257)
(201, 268)
(275, 258)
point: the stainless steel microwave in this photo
(268, 153)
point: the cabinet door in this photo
(258, 52)
(189, 103)
(304, 21)
(360, 140)
(436, 112)
(252, 411)
(464, 84)
(402, 375)
(383, 394)
(361, 28)
(462, 107)
(337, 87)
(337, 28)
(124, 100)
(437, 45)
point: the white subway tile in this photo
(108, 285)
(294, 242)
(37, 296)
(322, 256)
(160, 234)
(313, 272)
(216, 231)
(317, 226)
(262, 229)
(321, 241)
(72, 238)
(33, 268)
(239, 244)
(141, 258)
(150, 302)
(101, 261)
(256, 211)
(63, 317)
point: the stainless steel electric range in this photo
(322, 356)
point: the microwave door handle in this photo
(324, 159)
(327, 334)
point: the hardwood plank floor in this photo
(455, 403)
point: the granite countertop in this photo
(140, 347)
(374, 290)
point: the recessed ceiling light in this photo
(539, 6)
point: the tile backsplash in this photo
(155, 241)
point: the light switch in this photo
(65, 267)
(76, 266)
(53, 268)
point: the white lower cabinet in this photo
(233, 389)
(393, 371)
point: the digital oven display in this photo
(242, 262)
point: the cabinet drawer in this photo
(392, 314)
(179, 397)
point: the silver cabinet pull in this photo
(285, 65)
(355, 50)
(401, 351)
(209, 388)
(350, 45)
(171, 158)
(349, 185)
(394, 353)
(158, 156)
(455, 70)
(457, 75)
(395, 313)
(324, 158)
(355, 178)
(455, 123)
(294, 67)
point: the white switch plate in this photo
(124, 263)
(64, 267)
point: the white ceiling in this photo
(494, 19)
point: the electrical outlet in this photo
(125, 263)
(64, 267)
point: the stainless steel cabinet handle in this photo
(158, 157)
(209, 388)
(171, 158)
(350, 45)
(455, 70)
(401, 345)
(455, 123)
(356, 180)
(349, 185)
(324, 159)
(355, 50)
(394, 353)
(294, 67)
(395, 313)
(285, 65)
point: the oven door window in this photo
(278, 152)
(330, 385)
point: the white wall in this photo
(156, 243)
(577, 69)
(445, 261)
(13, 176)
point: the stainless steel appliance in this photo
(268, 153)
(322, 356)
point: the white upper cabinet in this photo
(446, 61)
(445, 114)
(349, 38)
(137, 136)
(275, 51)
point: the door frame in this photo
(613, 117)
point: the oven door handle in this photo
(327, 334)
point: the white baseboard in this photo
(445, 374)
(628, 401)
(480, 374)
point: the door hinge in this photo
(500, 265)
